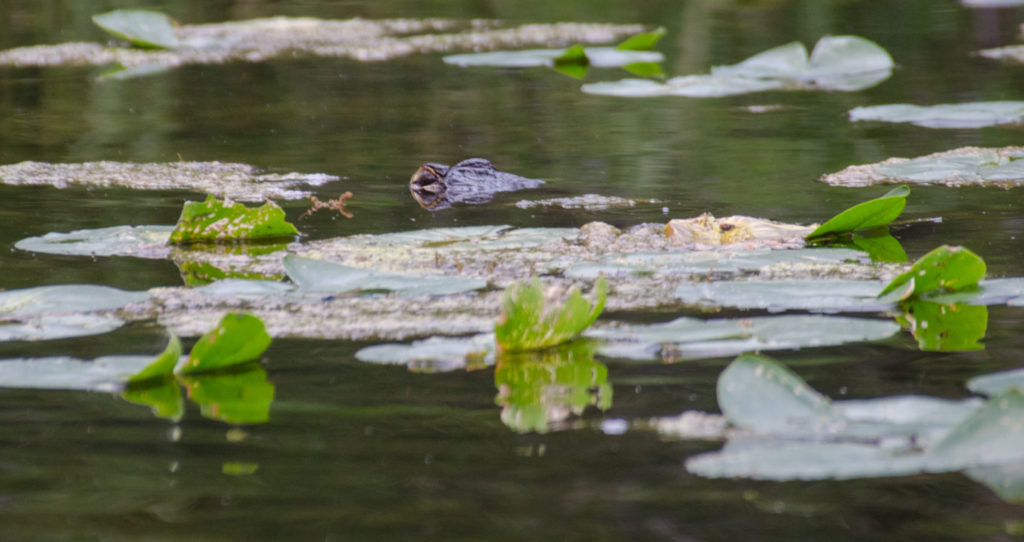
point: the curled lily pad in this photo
(147, 29)
(139, 241)
(216, 220)
(870, 214)
(533, 318)
(965, 115)
(946, 269)
(838, 63)
(320, 276)
(237, 339)
(163, 365)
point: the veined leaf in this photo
(869, 214)
(215, 220)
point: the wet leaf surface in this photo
(216, 220)
(964, 115)
(965, 166)
(534, 317)
(147, 29)
(870, 214)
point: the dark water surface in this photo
(363, 452)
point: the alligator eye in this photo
(425, 175)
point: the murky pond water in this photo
(356, 451)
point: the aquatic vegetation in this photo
(216, 220)
(837, 63)
(869, 214)
(141, 28)
(963, 115)
(239, 182)
(62, 311)
(535, 317)
(966, 166)
(946, 269)
(785, 430)
(938, 327)
(163, 365)
(237, 339)
(320, 276)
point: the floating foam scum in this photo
(240, 182)
(965, 166)
(258, 40)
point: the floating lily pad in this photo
(870, 214)
(139, 241)
(599, 57)
(44, 328)
(320, 276)
(694, 338)
(239, 182)
(965, 115)
(107, 373)
(781, 295)
(946, 269)
(65, 299)
(991, 3)
(260, 40)
(965, 166)
(996, 383)
(838, 63)
(216, 220)
(148, 29)
(238, 338)
(435, 354)
(533, 318)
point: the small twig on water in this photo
(336, 204)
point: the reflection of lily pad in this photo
(163, 397)
(965, 166)
(838, 63)
(965, 115)
(236, 398)
(946, 328)
(239, 182)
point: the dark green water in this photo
(361, 452)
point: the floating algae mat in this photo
(240, 182)
(967, 166)
(259, 40)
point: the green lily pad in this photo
(946, 268)
(538, 392)
(139, 241)
(235, 398)
(694, 338)
(532, 318)
(216, 220)
(43, 328)
(238, 338)
(164, 364)
(320, 276)
(838, 63)
(147, 29)
(966, 166)
(945, 328)
(964, 115)
(869, 214)
(63, 299)
(106, 373)
(643, 41)
(573, 62)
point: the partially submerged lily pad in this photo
(238, 338)
(838, 63)
(944, 269)
(106, 373)
(239, 182)
(216, 220)
(63, 299)
(138, 241)
(964, 115)
(965, 166)
(869, 214)
(319, 276)
(44, 328)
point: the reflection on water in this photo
(945, 328)
(240, 396)
(541, 391)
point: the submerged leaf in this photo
(147, 29)
(964, 115)
(869, 214)
(946, 268)
(532, 319)
(239, 338)
(215, 220)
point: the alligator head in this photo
(427, 186)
